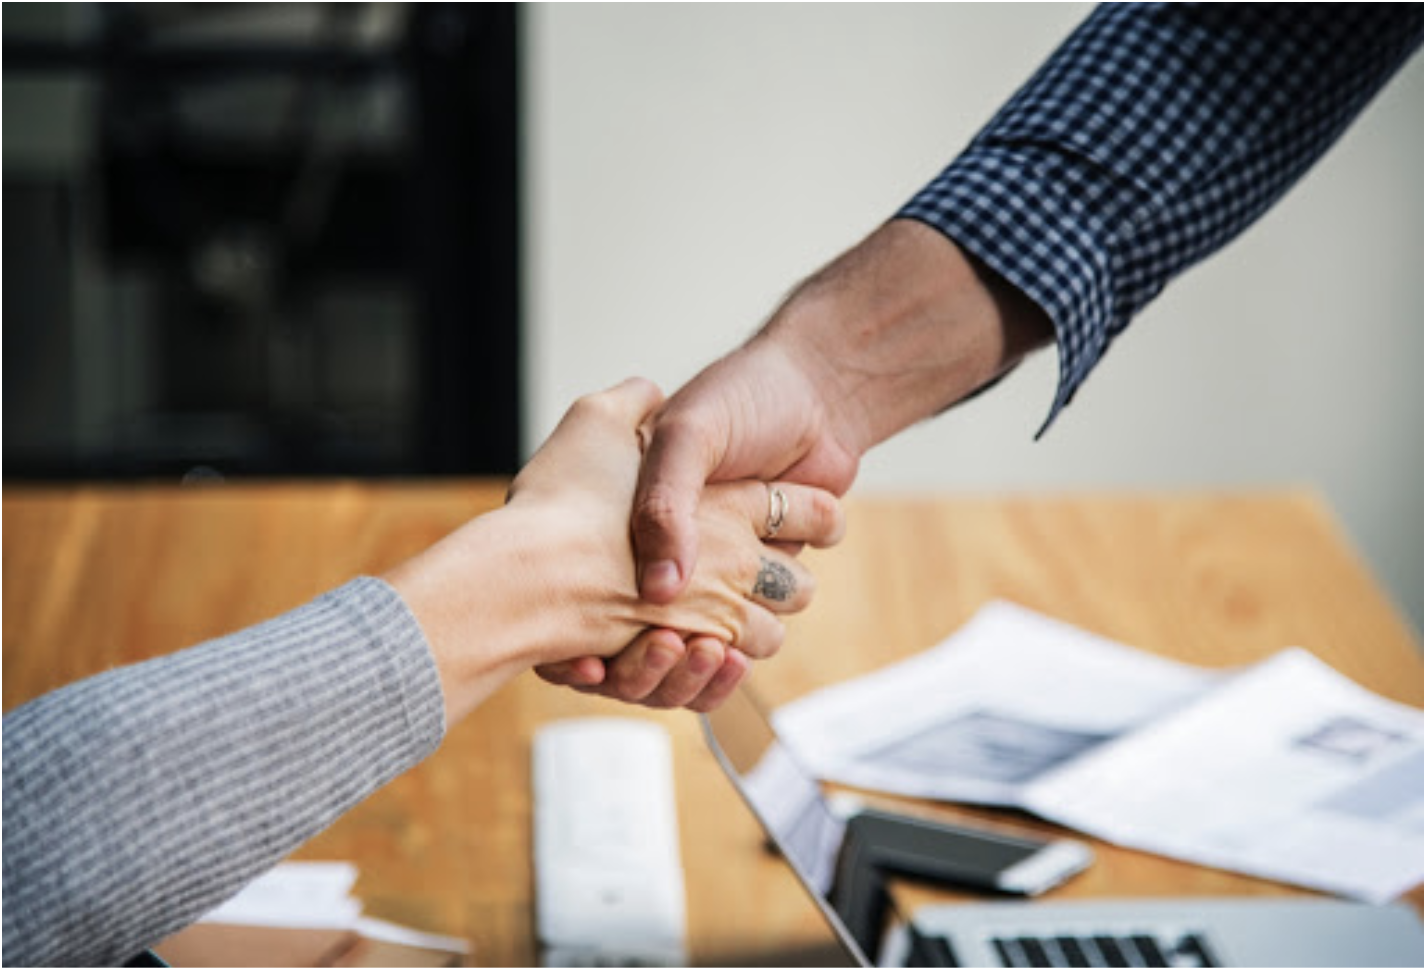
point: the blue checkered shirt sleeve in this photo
(1154, 135)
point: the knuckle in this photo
(826, 512)
(634, 681)
(626, 681)
(748, 564)
(715, 695)
(644, 386)
(806, 590)
(591, 404)
(658, 700)
(773, 640)
(763, 635)
(658, 510)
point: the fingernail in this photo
(661, 577)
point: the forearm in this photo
(138, 800)
(1151, 138)
(901, 327)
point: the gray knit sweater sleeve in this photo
(139, 799)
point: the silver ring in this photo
(776, 510)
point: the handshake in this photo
(647, 550)
(695, 622)
(618, 569)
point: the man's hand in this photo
(760, 413)
(894, 331)
(754, 414)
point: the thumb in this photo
(677, 463)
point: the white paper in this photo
(310, 894)
(1009, 698)
(316, 894)
(1286, 770)
(378, 930)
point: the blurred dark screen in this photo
(269, 239)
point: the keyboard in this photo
(1137, 950)
(1261, 931)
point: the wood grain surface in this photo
(97, 576)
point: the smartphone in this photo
(877, 847)
(970, 857)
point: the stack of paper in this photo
(1285, 770)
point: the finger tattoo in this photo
(776, 583)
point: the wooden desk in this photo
(96, 576)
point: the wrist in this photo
(901, 327)
(478, 602)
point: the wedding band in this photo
(776, 510)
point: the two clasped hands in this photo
(706, 622)
(636, 557)
(567, 525)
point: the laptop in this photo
(810, 834)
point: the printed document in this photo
(1285, 769)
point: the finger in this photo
(790, 548)
(585, 671)
(677, 461)
(688, 679)
(735, 669)
(813, 517)
(782, 585)
(762, 633)
(643, 665)
(804, 515)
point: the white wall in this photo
(686, 164)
